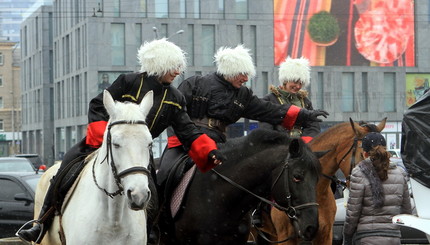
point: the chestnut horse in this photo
(343, 141)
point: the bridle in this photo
(353, 148)
(290, 210)
(118, 176)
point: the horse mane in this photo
(256, 141)
(334, 133)
(261, 139)
(127, 111)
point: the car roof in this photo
(14, 159)
(19, 174)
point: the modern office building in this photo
(96, 40)
(12, 13)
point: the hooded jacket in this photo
(362, 217)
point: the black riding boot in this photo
(45, 217)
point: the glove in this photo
(311, 115)
(216, 155)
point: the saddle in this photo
(177, 173)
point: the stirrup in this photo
(30, 222)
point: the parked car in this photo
(34, 159)
(16, 200)
(395, 153)
(16, 164)
(409, 235)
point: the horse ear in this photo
(108, 102)
(381, 125)
(147, 102)
(320, 154)
(295, 147)
(357, 132)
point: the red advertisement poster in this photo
(345, 32)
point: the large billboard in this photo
(345, 32)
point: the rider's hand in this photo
(311, 115)
(217, 157)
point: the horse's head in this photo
(294, 188)
(127, 149)
(344, 142)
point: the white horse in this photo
(109, 201)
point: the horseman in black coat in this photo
(217, 100)
(161, 61)
(294, 77)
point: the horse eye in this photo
(116, 145)
(297, 178)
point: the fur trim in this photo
(159, 57)
(368, 170)
(301, 94)
(295, 69)
(234, 61)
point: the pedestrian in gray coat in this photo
(378, 191)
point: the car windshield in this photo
(15, 165)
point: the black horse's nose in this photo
(310, 232)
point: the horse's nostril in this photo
(310, 232)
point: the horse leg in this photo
(327, 212)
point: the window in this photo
(182, 8)
(347, 92)
(253, 43)
(1, 102)
(319, 91)
(241, 9)
(8, 190)
(1, 125)
(389, 92)
(190, 46)
(116, 8)
(161, 9)
(1, 81)
(208, 44)
(142, 13)
(1, 59)
(138, 36)
(118, 44)
(239, 32)
(221, 8)
(364, 92)
(195, 6)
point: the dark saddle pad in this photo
(181, 166)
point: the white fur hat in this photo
(159, 57)
(295, 69)
(234, 61)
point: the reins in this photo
(290, 210)
(124, 173)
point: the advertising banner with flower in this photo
(345, 32)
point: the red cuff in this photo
(199, 152)
(306, 139)
(95, 131)
(173, 141)
(291, 117)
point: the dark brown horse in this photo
(344, 141)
